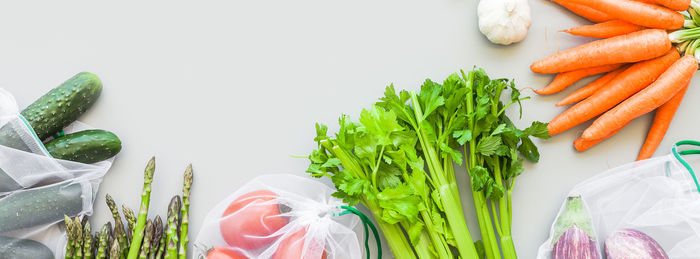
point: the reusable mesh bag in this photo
(36, 190)
(282, 216)
(657, 198)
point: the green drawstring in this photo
(678, 154)
(59, 134)
(26, 123)
(365, 222)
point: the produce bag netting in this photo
(281, 216)
(625, 209)
(36, 190)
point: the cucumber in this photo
(50, 114)
(15, 248)
(88, 146)
(63, 105)
(40, 206)
(7, 184)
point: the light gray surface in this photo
(236, 86)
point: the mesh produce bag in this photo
(646, 209)
(36, 190)
(281, 216)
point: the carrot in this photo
(643, 14)
(605, 29)
(589, 89)
(659, 92)
(632, 47)
(678, 5)
(584, 11)
(582, 145)
(662, 119)
(618, 89)
(565, 79)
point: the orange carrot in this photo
(659, 92)
(678, 5)
(618, 89)
(582, 145)
(584, 11)
(565, 79)
(643, 14)
(589, 89)
(632, 47)
(662, 119)
(605, 29)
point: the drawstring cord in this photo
(365, 223)
(678, 154)
(59, 134)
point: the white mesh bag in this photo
(281, 216)
(645, 209)
(36, 190)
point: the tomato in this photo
(293, 247)
(251, 219)
(225, 253)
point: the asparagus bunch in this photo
(137, 236)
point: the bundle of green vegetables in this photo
(140, 237)
(398, 161)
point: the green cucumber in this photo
(88, 146)
(55, 110)
(40, 206)
(7, 184)
(15, 248)
(63, 105)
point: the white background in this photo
(235, 87)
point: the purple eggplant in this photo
(630, 243)
(575, 243)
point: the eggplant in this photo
(573, 235)
(574, 213)
(630, 243)
(575, 243)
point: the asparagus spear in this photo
(120, 237)
(87, 241)
(104, 237)
(120, 233)
(171, 251)
(164, 235)
(171, 238)
(147, 237)
(96, 244)
(130, 220)
(157, 236)
(70, 245)
(78, 237)
(186, 188)
(143, 211)
(84, 220)
(116, 251)
(110, 238)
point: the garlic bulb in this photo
(504, 21)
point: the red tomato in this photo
(225, 253)
(293, 247)
(253, 219)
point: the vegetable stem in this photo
(482, 212)
(143, 211)
(393, 234)
(186, 191)
(451, 203)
